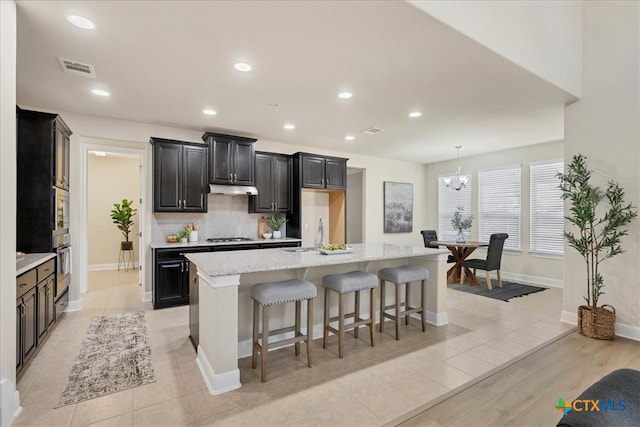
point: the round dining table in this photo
(460, 252)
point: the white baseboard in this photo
(9, 402)
(622, 330)
(217, 383)
(74, 306)
(106, 267)
(531, 280)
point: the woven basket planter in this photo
(597, 323)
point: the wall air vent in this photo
(371, 130)
(75, 67)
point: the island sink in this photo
(298, 249)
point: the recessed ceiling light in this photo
(242, 66)
(100, 92)
(415, 114)
(209, 112)
(81, 22)
(271, 104)
(345, 95)
(349, 137)
(289, 126)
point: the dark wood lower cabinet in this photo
(35, 310)
(26, 327)
(171, 283)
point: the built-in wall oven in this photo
(61, 241)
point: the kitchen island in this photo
(223, 309)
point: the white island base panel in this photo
(226, 310)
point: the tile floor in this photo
(371, 386)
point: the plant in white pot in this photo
(600, 230)
(275, 223)
(122, 214)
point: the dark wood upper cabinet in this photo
(273, 181)
(232, 159)
(44, 139)
(42, 169)
(322, 172)
(180, 180)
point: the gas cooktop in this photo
(229, 239)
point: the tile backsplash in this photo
(227, 216)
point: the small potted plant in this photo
(275, 222)
(460, 223)
(598, 238)
(122, 214)
(183, 235)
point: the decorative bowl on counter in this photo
(267, 235)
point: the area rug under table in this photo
(508, 290)
(115, 356)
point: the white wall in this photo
(544, 37)
(9, 398)
(605, 127)
(522, 266)
(355, 181)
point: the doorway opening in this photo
(110, 171)
(109, 181)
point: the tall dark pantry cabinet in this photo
(42, 203)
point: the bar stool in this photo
(268, 294)
(354, 281)
(404, 274)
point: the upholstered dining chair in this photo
(430, 235)
(492, 262)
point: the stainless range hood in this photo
(233, 190)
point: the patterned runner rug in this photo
(508, 291)
(115, 356)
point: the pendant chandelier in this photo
(456, 182)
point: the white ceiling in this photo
(165, 61)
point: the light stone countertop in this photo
(257, 260)
(204, 243)
(30, 261)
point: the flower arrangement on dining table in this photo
(461, 223)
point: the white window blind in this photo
(499, 204)
(448, 201)
(547, 207)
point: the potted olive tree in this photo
(275, 222)
(598, 238)
(122, 214)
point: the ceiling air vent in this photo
(371, 130)
(75, 67)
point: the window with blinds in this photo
(499, 204)
(448, 201)
(547, 207)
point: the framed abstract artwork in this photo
(398, 207)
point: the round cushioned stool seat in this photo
(404, 274)
(350, 282)
(282, 292)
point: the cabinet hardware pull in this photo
(276, 204)
(321, 181)
(184, 204)
(186, 263)
(22, 285)
(182, 267)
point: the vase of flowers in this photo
(461, 223)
